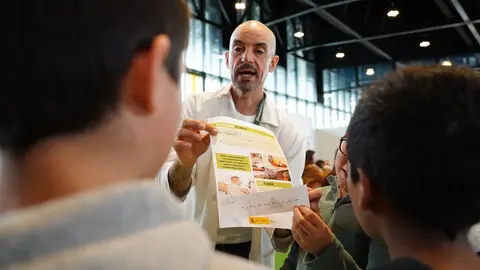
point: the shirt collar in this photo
(270, 114)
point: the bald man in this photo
(189, 173)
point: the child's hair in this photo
(67, 60)
(405, 126)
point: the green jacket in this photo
(334, 257)
(351, 248)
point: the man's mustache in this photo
(246, 67)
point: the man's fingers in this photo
(210, 129)
(206, 139)
(197, 125)
(188, 135)
(313, 218)
(178, 145)
(193, 124)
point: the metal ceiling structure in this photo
(362, 30)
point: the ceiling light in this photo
(370, 71)
(424, 44)
(393, 13)
(239, 5)
(340, 55)
(299, 34)
(446, 63)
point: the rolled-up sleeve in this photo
(188, 111)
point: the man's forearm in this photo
(180, 179)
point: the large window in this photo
(194, 59)
(368, 74)
(193, 84)
(291, 105)
(301, 70)
(270, 82)
(213, 12)
(338, 78)
(291, 76)
(342, 87)
(280, 80)
(213, 50)
(302, 107)
(337, 86)
(212, 83)
(311, 85)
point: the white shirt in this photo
(201, 201)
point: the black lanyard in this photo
(258, 116)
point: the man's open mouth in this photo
(247, 73)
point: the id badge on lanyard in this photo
(258, 116)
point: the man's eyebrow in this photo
(236, 41)
(258, 44)
(262, 44)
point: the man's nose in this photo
(246, 57)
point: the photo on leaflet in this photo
(234, 184)
(269, 167)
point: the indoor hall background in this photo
(331, 49)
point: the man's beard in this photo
(246, 86)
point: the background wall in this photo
(326, 142)
(305, 126)
(323, 141)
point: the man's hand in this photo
(190, 144)
(314, 196)
(309, 230)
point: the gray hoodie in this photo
(132, 226)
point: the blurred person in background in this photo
(189, 173)
(313, 176)
(89, 109)
(324, 165)
(320, 163)
(415, 115)
(309, 157)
